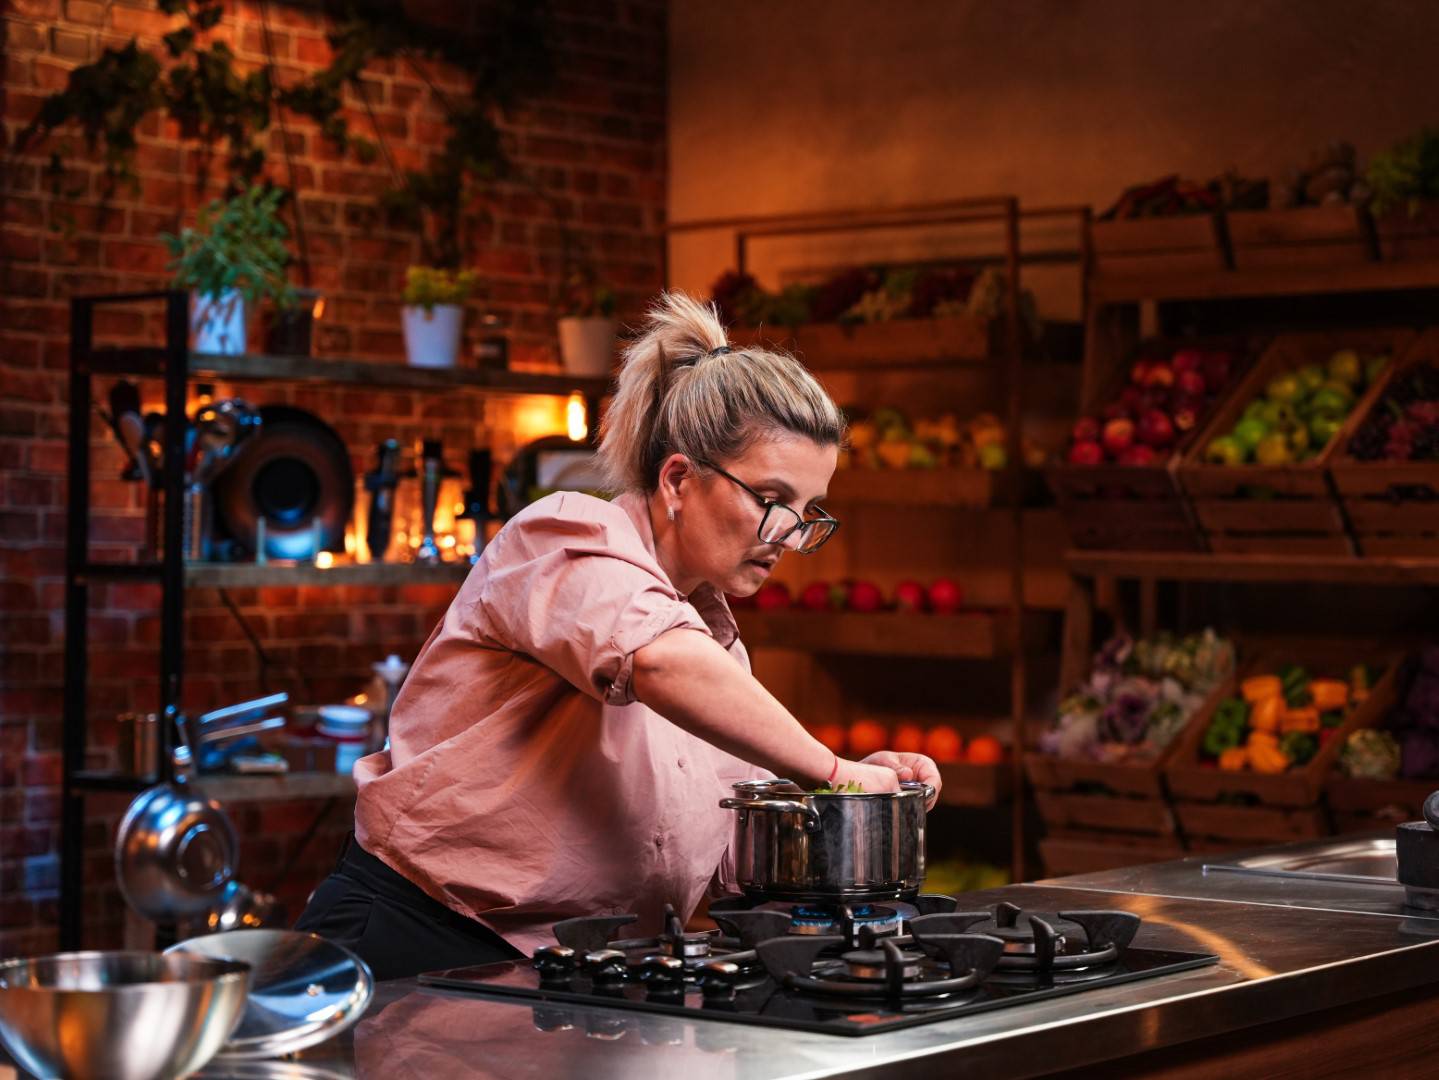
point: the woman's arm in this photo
(688, 678)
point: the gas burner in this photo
(1040, 943)
(591, 934)
(845, 920)
(896, 968)
(871, 963)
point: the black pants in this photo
(391, 924)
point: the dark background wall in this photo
(593, 152)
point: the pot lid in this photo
(303, 989)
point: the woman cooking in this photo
(565, 735)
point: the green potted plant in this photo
(234, 255)
(434, 314)
(587, 330)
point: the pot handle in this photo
(927, 790)
(777, 806)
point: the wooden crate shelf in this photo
(967, 784)
(1232, 284)
(1071, 851)
(975, 489)
(1243, 567)
(1329, 236)
(898, 344)
(250, 575)
(966, 635)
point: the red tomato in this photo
(815, 597)
(943, 743)
(909, 596)
(945, 597)
(773, 596)
(864, 596)
(984, 750)
(832, 735)
(866, 737)
(908, 739)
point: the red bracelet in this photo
(833, 772)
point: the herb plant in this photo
(237, 243)
(1406, 174)
(427, 286)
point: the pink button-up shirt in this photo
(524, 784)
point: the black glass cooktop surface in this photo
(761, 1000)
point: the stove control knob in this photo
(664, 974)
(717, 979)
(554, 962)
(606, 966)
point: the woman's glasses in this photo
(780, 522)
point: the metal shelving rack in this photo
(176, 365)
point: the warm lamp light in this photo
(325, 559)
(576, 420)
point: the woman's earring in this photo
(670, 513)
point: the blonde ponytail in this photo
(682, 389)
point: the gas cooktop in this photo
(840, 969)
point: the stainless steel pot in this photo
(828, 848)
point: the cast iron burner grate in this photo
(1042, 943)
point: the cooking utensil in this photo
(175, 848)
(293, 472)
(119, 1015)
(828, 847)
(303, 989)
(381, 484)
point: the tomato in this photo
(773, 596)
(864, 596)
(909, 596)
(816, 596)
(945, 597)
(943, 743)
(866, 737)
(908, 739)
(832, 735)
(984, 750)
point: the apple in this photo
(1217, 368)
(1139, 373)
(1115, 410)
(1138, 454)
(815, 596)
(1086, 429)
(1186, 418)
(1132, 398)
(1156, 428)
(773, 596)
(1117, 434)
(1088, 452)
(864, 596)
(1187, 360)
(1191, 383)
(1152, 397)
(909, 596)
(1161, 374)
(945, 596)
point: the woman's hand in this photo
(871, 776)
(910, 767)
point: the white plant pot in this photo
(432, 336)
(587, 346)
(218, 322)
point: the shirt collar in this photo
(706, 599)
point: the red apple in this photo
(1155, 428)
(816, 596)
(1086, 429)
(909, 596)
(1218, 366)
(1191, 383)
(864, 596)
(1088, 452)
(1117, 435)
(1132, 398)
(1187, 360)
(1153, 397)
(1138, 454)
(1115, 410)
(772, 596)
(1186, 418)
(1161, 374)
(1139, 373)
(945, 596)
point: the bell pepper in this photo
(1259, 687)
(1265, 756)
(1299, 747)
(1221, 736)
(1264, 716)
(1327, 694)
(1234, 759)
(1331, 719)
(1299, 720)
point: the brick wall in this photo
(594, 148)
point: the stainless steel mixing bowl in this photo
(119, 1015)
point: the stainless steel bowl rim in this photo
(194, 968)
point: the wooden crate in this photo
(966, 635)
(956, 487)
(1392, 506)
(1191, 780)
(1074, 810)
(1143, 247)
(897, 343)
(1279, 509)
(1409, 235)
(1277, 824)
(1084, 852)
(1358, 805)
(968, 784)
(1301, 237)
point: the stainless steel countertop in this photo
(1279, 957)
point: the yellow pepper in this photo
(1234, 759)
(1327, 694)
(1259, 687)
(1266, 757)
(1305, 719)
(1265, 713)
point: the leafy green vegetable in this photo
(849, 787)
(1407, 174)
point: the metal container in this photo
(139, 742)
(119, 1015)
(806, 847)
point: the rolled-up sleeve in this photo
(569, 584)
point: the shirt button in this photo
(680, 763)
(659, 841)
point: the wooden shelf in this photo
(279, 787)
(1325, 569)
(878, 347)
(974, 489)
(249, 575)
(967, 635)
(398, 376)
(971, 785)
(1220, 284)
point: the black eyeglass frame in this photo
(770, 505)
